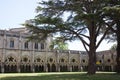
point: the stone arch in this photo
(99, 65)
(38, 60)
(84, 64)
(25, 65)
(51, 64)
(63, 60)
(74, 64)
(11, 58)
(39, 64)
(107, 64)
(25, 59)
(51, 60)
(10, 63)
(63, 64)
(74, 61)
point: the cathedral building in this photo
(18, 54)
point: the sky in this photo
(13, 13)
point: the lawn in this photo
(59, 76)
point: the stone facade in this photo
(17, 54)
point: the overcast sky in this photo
(15, 12)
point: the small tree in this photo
(114, 47)
(59, 44)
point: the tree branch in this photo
(102, 37)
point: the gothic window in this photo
(73, 60)
(51, 60)
(83, 61)
(36, 46)
(25, 59)
(108, 60)
(38, 59)
(26, 45)
(11, 59)
(11, 43)
(42, 45)
(62, 60)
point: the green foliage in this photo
(114, 47)
(111, 14)
(59, 45)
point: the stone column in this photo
(79, 66)
(32, 57)
(57, 61)
(70, 68)
(68, 61)
(2, 67)
(58, 68)
(20, 52)
(18, 68)
(4, 51)
(45, 67)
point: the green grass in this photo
(59, 76)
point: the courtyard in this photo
(60, 76)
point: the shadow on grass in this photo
(66, 77)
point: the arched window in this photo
(100, 61)
(36, 45)
(83, 60)
(26, 45)
(11, 43)
(108, 60)
(11, 59)
(42, 45)
(62, 60)
(25, 59)
(51, 60)
(73, 60)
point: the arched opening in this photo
(48, 67)
(42, 68)
(10, 68)
(39, 64)
(13, 68)
(108, 68)
(99, 65)
(85, 68)
(0, 69)
(39, 68)
(63, 68)
(25, 65)
(74, 68)
(25, 68)
(10, 65)
(53, 68)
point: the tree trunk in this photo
(118, 48)
(92, 60)
(92, 51)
